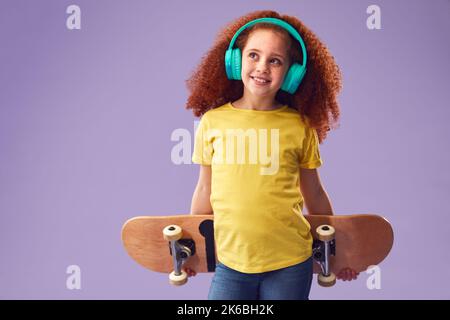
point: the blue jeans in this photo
(291, 283)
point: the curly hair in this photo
(316, 97)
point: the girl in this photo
(267, 92)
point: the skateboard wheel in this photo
(325, 232)
(178, 280)
(326, 281)
(172, 233)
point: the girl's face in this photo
(264, 63)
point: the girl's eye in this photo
(278, 61)
(252, 55)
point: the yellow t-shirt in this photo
(255, 159)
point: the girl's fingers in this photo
(347, 274)
(190, 272)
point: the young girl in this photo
(267, 94)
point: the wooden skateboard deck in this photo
(360, 240)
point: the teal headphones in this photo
(296, 72)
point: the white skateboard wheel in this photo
(178, 280)
(325, 281)
(325, 232)
(172, 233)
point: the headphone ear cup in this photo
(293, 78)
(228, 64)
(236, 60)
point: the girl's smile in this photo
(260, 81)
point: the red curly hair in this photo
(316, 97)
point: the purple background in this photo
(86, 118)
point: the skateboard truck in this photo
(323, 249)
(181, 250)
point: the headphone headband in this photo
(277, 22)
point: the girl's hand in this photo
(190, 272)
(347, 274)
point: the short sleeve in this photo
(203, 150)
(310, 157)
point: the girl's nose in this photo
(262, 66)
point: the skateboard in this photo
(168, 244)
